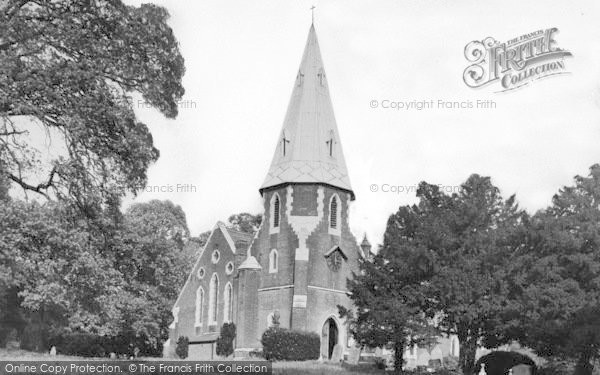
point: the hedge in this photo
(283, 344)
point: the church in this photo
(293, 272)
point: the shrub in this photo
(499, 362)
(380, 363)
(182, 347)
(225, 340)
(450, 362)
(283, 344)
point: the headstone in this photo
(336, 356)
(113, 355)
(354, 355)
(521, 370)
(53, 351)
(482, 370)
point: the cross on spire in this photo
(312, 11)
(283, 142)
(330, 142)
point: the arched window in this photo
(333, 212)
(273, 261)
(212, 299)
(334, 215)
(275, 213)
(228, 307)
(199, 306)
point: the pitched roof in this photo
(237, 235)
(309, 148)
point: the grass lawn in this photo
(291, 368)
(323, 368)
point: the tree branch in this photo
(38, 189)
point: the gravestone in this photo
(113, 355)
(521, 370)
(53, 351)
(336, 356)
(354, 355)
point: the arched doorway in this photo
(329, 338)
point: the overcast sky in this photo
(242, 57)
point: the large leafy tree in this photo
(387, 298)
(152, 259)
(472, 236)
(70, 67)
(54, 276)
(556, 280)
(444, 259)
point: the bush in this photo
(450, 362)
(283, 344)
(555, 367)
(499, 362)
(182, 347)
(225, 340)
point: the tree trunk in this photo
(466, 359)
(584, 365)
(398, 356)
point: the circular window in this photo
(200, 273)
(216, 256)
(229, 268)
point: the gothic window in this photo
(213, 298)
(333, 220)
(334, 213)
(228, 304)
(229, 268)
(200, 273)
(275, 213)
(273, 261)
(199, 306)
(216, 255)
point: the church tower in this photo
(304, 251)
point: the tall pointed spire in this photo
(308, 148)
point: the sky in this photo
(241, 61)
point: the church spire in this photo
(308, 148)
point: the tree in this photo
(71, 67)
(150, 255)
(472, 236)
(556, 280)
(387, 295)
(245, 222)
(55, 274)
(442, 263)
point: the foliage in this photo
(113, 282)
(182, 347)
(499, 362)
(442, 264)
(225, 340)
(69, 68)
(450, 362)
(245, 222)
(283, 344)
(556, 280)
